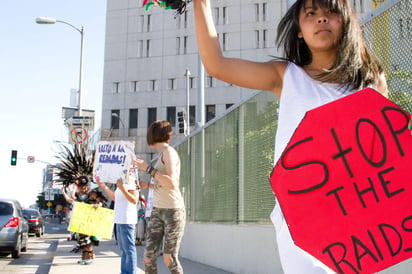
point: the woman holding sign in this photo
(125, 200)
(168, 214)
(325, 59)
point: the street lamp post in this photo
(48, 20)
(118, 117)
(187, 74)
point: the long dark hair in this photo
(354, 66)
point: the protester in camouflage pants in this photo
(169, 223)
(168, 215)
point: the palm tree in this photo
(75, 161)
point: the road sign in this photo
(82, 120)
(31, 159)
(78, 135)
(49, 204)
(49, 194)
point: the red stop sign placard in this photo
(343, 183)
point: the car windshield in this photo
(5, 209)
(31, 214)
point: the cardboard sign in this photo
(92, 221)
(343, 183)
(113, 160)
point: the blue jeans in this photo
(125, 240)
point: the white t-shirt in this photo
(125, 212)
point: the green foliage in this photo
(40, 202)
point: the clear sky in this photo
(39, 66)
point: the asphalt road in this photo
(39, 255)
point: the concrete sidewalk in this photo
(108, 261)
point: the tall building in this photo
(148, 53)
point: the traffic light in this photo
(13, 160)
(181, 121)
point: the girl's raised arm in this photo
(254, 75)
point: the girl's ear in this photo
(300, 35)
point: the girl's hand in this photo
(95, 206)
(97, 180)
(119, 184)
(141, 164)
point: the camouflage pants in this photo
(167, 223)
(84, 241)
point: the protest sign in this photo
(112, 161)
(92, 221)
(343, 184)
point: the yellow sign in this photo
(49, 204)
(92, 221)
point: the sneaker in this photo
(87, 262)
(80, 261)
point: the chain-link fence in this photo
(226, 166)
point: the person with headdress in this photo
(84, 242)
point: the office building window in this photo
(225, 19)
(134, 86)
(140, 23)
(148, 23)
(185, 16)
(224, 42)
(139, 49)
(192, 117)
(133, 117)
(257, 12)
(264, 11)
(171, 115)
(185, 44)
(177, 45)
(152, 85)
(171, 83)
(210, 112)
(216, 13)
(192, 82)
(265, 38)
(257, 38)
(228, 105)
(209, 81)
(151, 116)
(116, 87)
(115, 118)
(148, 48)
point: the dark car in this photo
(35, 220)
(14, 230)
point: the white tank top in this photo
(301, 93)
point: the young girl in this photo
(324, 59)
(125, 199)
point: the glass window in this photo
(177, 45)
(6, 209)
(147, 48)
(171, 83)
(116, 87)
(151, 116)
(171, 115)
(115, 118)
(192, 117)
(133, 117)
(210, 112)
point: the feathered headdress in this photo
(178, 5)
